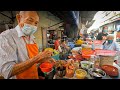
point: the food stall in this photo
(86, 63)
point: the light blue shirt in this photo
(113, 46)
(12, 50)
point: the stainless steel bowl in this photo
(96, 73)
(86, 65)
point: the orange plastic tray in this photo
(87, 53)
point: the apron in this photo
(32, 72)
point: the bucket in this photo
(46, 67)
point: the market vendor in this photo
(18, 51)
(57, 44)
(65, 50)
(64, 45)
(110, 44)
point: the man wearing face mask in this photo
(104, 33)
(111, 44)
(19, 53)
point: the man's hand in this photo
(43, 55)
(48, 59)
(46, 53)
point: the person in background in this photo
(78, 37)
(92, 34)
(110, 44)
(19, 54)
(95, 35)
(65, 50)
(51, 35)
(103, 33)
(85, 36)
(57, 44)
(64, 45)
(64, 37)
(66, 42)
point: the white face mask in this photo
(28, 29)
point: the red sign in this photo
(98, 41)
(105, 52)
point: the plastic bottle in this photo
(92, 59)
(93, 46)
(97, 62)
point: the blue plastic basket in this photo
(56, 57)
(71, 44)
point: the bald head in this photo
(29, 17)
(25, 12)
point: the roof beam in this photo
(5, 15)
(12, 16)
(55, 24)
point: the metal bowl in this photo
(86, 65)
(96, 73)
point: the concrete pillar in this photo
(59, 33)
(115, 33)
(44, 37)
(38, 37)
(15, 21)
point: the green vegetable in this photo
(85, 64)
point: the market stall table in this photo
(90, 77)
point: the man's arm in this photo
(8, 65)
(19, 68)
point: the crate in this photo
(106, 60)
